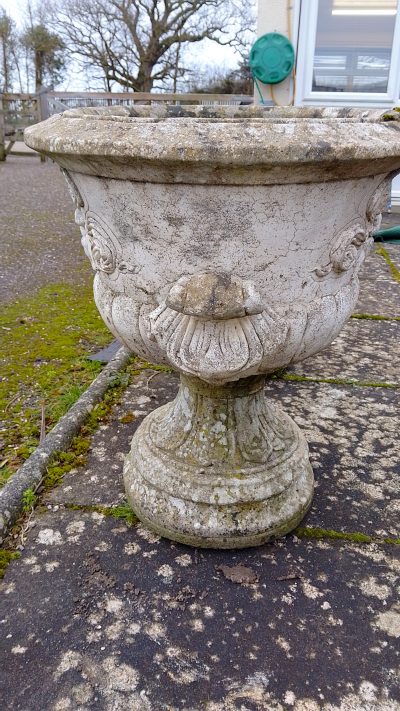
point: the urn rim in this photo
(228, 144)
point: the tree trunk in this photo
(176, 69)
(38, 70)
(5, 67)
(144, 81)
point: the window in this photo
(349, 52)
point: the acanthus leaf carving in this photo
(354, 242)
(98, 240)
(351, 244)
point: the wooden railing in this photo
(17, 111)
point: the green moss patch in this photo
(44, 342)
(327, 533)
(375, 317)
(123, 511)
(332, 381)
(75, 456)
(393, 269)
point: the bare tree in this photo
(138, 43)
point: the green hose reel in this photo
(271, 58)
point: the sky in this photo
(205, 56)
(14, 8)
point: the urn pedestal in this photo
(226, 243)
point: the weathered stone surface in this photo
(379, 291)
(100, 482)
(143, 235)
(351, 431)
(226, 244)
(365, 350)
(122, 620)
(224, 144)
(219, 467)
(352, 435)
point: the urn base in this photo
(219, 467)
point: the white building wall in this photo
(278, 16)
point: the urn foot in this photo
(219, 467)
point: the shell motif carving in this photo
(213, 326)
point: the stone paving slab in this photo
(39, 240)
(100, 482)
(353, 438)
(365, 350)
(379, 291)
(393, 251)
(121, 620)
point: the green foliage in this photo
(63, 462)
(118, 379)
(5, 473)
(66, 400)
(48, 53)
(29, 499)
(8, 44)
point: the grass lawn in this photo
(44, 341)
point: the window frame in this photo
(305, 96)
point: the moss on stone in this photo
(333, 381)
(376, 317)
(328, 533)
(123, 511)
(63, 462)
(394, 271)
(45, 339)
(6, 557)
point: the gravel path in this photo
(39, 241)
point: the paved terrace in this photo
(100, 613)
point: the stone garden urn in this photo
(226, 244)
